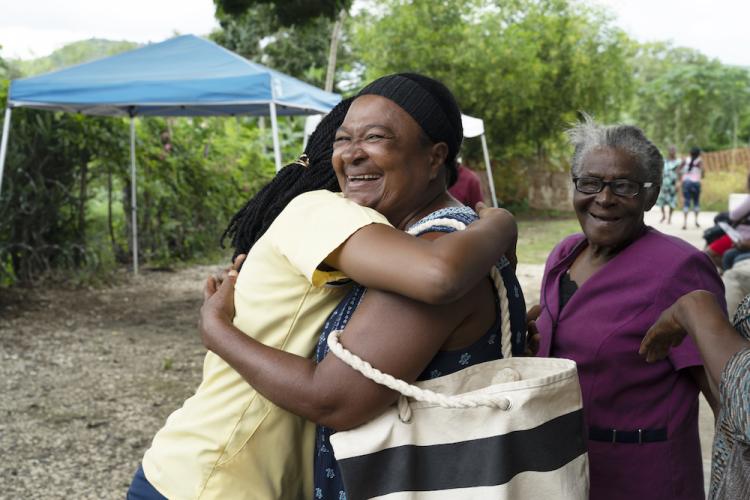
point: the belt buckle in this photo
(640, 436)
(614, 435)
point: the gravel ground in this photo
(88, 376)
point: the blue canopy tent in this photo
(182, 76)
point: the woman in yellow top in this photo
(399, 127)
(227, 441)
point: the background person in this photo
(400, 125)
(726, 357)
(691, 185)
(723, 250)
(667, 200)
(601, 291)
(468, 188)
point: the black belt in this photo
(639, 436)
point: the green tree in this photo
(298, 50)
(525, 67)
(685, 98)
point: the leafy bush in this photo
(43, 226)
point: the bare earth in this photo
(88, 376)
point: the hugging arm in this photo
(699, 315)
(435, 272)
(331, 393)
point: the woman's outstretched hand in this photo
(218, 303)
(666, 333)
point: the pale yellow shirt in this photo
(227, 441)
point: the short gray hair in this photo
(588, 136)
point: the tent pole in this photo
(133, 207)
(489, 170)
(4, 145)
(275, 129)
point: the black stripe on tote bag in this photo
(489, 461)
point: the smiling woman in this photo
(601, 291)
(431, 304)
(372, 146)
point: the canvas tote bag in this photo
(505, 429)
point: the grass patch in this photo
(538, 233)
(717, 186)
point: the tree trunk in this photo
(333, 51)
(82, 195)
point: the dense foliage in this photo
(65, 201)
(299, 50)
(685, 98)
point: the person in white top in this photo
(691, 185)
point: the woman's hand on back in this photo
(218, 302)
(532, 332)
(485, 212)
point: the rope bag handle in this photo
(411, 391)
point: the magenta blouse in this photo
(601, 328)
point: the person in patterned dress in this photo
(726, 357)
(667, 200)
(394, 151)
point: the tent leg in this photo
(133, 206)
(275, 129)
(489, 170)
(4, 145)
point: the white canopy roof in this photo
(473, 127)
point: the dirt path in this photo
(88, 376)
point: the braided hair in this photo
(252, 220)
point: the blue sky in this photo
(33, 28)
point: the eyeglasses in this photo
(620, 187)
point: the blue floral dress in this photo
(668, 191)
(329, 484)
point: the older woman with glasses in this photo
(601, 291)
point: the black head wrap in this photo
(431, 105)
